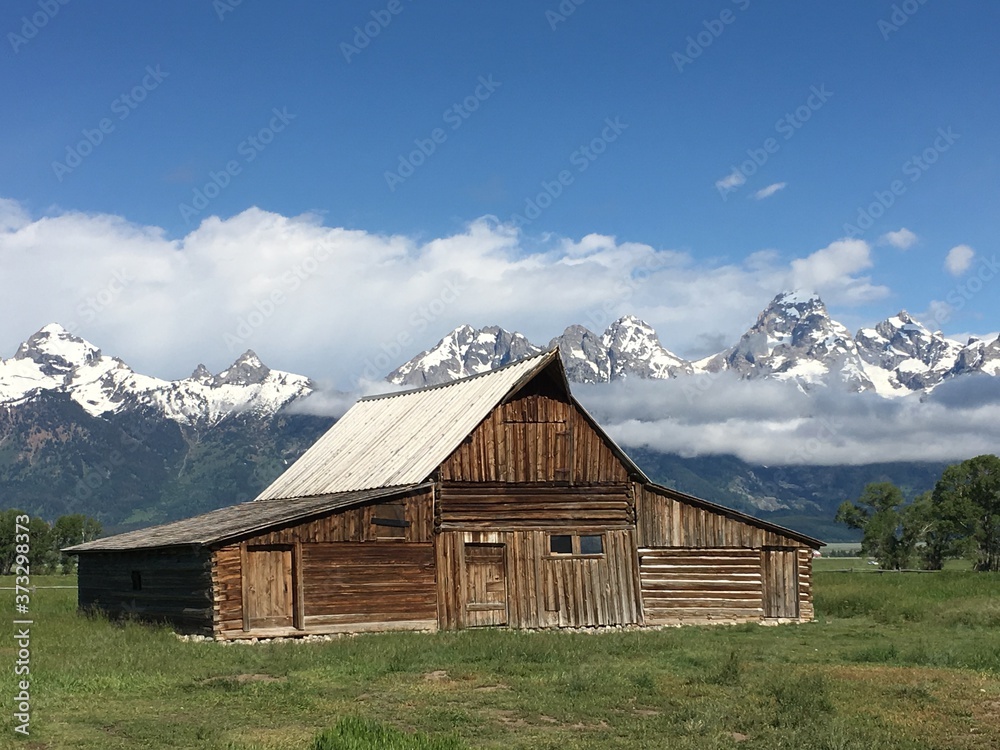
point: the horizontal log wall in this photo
(664, 521)
(806, 610)
(544, 590)
(700, 585)
(537, 437)
(352, 532)
(175, 586)
(492, 506)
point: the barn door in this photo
(269, 600)
(486, 585)
(780, 573)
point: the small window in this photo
(577, 545)
(592, 544)
(136, 580)
(561, 544)
(390, 521)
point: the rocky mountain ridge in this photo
(794, 338)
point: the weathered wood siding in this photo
(356, 524)
(537, 436)
(353, 583)
(542, 590)
(665, 521)
(700, 564)
(806, 610)
(700, 585)
(347, 573)
(502, 506)
(156, 585)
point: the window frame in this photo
(576, 543)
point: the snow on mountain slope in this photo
(465, 351)
(911, 356)
(53, 359)
(978, 356)
(635, 349)
(795, 338)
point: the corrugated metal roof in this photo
(400, 438)
(234, 521)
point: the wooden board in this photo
(486, 585)
(268, 586)
(781, 583)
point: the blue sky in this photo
(692, 91)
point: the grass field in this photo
(893, 661)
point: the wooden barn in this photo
(494, 500)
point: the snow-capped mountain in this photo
(795, 338)
(629, 347)
(902, 355)
(465, 351)
(978, 356)
(55, 360)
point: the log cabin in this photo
(495, 500)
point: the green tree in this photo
(938, 535)
(70, 530)
(39, 542)
(967, 499)
(880, 516)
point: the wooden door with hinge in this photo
(486, 585)
(780, 577)
(268, 587)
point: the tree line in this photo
(960, 517)
(45, 541)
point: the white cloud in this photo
(833, 272)
(341, 305)
(769, 190)
(732, 180)
(773, 423)
(902, 239)
(959, 259)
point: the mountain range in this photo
(794, 338)
(80, 431)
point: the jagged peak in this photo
(55, 349)
(247, 370)
(798, 297)
(201, 373)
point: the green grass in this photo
(893, 661)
